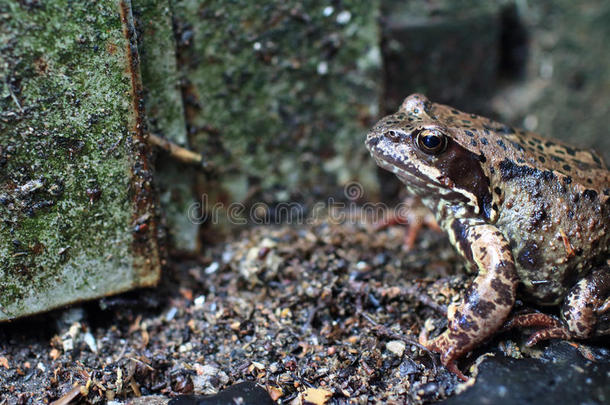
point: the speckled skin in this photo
(522, 210)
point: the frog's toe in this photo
(532, 320)
(552, 328)
(449, 351)
(558, 332)
(455, 370)
(414, 216)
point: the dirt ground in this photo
(330, 306)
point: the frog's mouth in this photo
(391, 160)
(409, 175)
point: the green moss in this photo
(160, 78)
(277, 92)
(165, 113)
(66, 230)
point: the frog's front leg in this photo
(489, 299)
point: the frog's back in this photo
(518, 150)
(527, 151)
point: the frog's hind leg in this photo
(414, 215)
(585, 311)
(558, 332)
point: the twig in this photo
(176, 151)
(383, 330)
(14, 97)
(311, 316)
(142, 363)
(121, 353)
(70, 395)
(424, 299)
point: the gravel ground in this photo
(327, 306)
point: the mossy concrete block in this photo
(165, 116)
(76, 205)
(160, 76)
(279, 95)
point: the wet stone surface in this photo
(565, 374)
(246, 393)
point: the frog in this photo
(530, 217)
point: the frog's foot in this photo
(532, 320)
(552, 328)
(414, 216)
(448, 348)
(560, 332)
(585, 312)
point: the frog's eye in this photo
(431, 141)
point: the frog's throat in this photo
(429, 186)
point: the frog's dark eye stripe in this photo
(431, 141)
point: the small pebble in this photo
(67, 344)
(90, 341)
(227, 256)
(396, 346)
(212, 268)
(186, 347)
(322, 68)
(408, 367)
(209, 379)
(363, 266)
(171, 314)
(199, 301)
(344, 17)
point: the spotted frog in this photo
(528, 214)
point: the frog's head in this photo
(426, 153)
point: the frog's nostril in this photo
(372, 141)
(393, 136)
